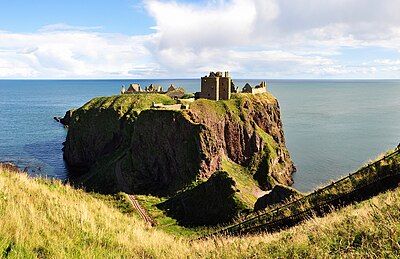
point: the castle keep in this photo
(216, 86)
(219, 86)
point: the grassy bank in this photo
(46, 219)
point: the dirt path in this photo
(142, 211)
(135, 203)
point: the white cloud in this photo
(252, 38)
(261, 37)
(73, 53)
(66, 27)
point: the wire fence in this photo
(350, 188)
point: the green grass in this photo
(125, 102)
(249, 190)
(119, 201)
(165, 223)
(235, 107)
(47, 219)
(270, 143)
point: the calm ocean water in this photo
(331, 126)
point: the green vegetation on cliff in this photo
(237, 107)
(127, 102)
(247, 186)
(209, 203)
(123, 145)
(46, 219)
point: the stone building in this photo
(258, 89)
(133, 88)
(171, 88)
(216, 86)
(175, 93)
(154, 89)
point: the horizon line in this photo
(183, 78)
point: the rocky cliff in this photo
(248, 130)
(119, 144)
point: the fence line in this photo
(261, 221)
(317, 207)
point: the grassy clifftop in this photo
(120, 143)
(46, 219)
(126, 102)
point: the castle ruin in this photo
(216, 86)
(258, 89)
(219, 86)
(173, 92)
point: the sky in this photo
(288, 39)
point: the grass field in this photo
(46, 219)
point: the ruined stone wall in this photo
(209, 88)
(259, 90)
(225, 88)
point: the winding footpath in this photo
(135, 203)
(141, 211)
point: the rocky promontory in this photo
(119, 143)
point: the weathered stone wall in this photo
(225, 88)
(259, 90)
(210, 88)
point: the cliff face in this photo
(248, 130)
(117, 143)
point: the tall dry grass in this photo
(46, 219)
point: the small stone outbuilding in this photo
(258, 89)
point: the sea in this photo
(332, 127)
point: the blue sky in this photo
(116, 16)
(177, 38)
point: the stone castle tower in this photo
(216, 86)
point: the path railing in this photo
(355, 186)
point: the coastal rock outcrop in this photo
(9, 167)
(66, 119)
(119, 144)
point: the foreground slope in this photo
(42, 218)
